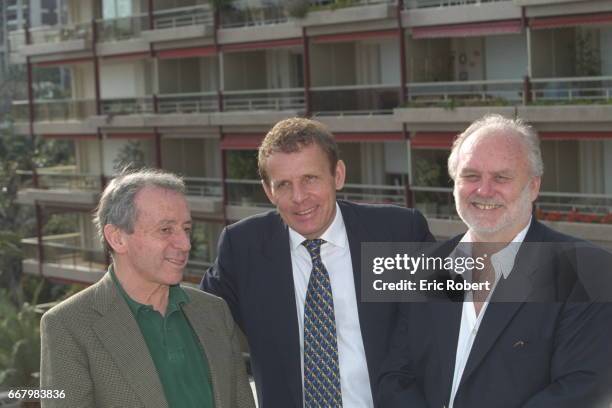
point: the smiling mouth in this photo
(487, 206)
(177, 262)
(306, 212)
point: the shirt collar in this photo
(335, 234)
(176, 296)
(502, 261)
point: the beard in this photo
(516, 212)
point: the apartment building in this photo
(192, 88)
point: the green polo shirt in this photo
(175, 349)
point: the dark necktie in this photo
(321, 367)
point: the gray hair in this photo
(117, 207)
(496, 122)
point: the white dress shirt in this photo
(336, 256)
(502, 263)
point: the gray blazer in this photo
(92, 348)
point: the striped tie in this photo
(321, 368)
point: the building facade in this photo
(190, 88)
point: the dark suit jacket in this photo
(550, 348)
(253, 274)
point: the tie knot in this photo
(313, 246)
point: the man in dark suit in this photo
(535, 339)
(292, 276)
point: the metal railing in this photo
(241, 15)
(183, 16)
(200, 102)
(575, 207)
(50, 179)
(65, 250)
(373, 193)
(346, 4)
(266, 100)
(412, 4)
(204, 186)
(571, 89)
(502, 91)
(127, 106)
(56, 34)
(122, 28)
(247, 193)
(354, 99)
(435, 202)
(54, 110)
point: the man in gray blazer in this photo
(137, 338)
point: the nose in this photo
(298, 193)
(183, 241)
(485, 189)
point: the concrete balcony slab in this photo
(258, 33)
(72, 273)
(345, 15)
(63, 47)
(178, 33)
(469, 13)
(62, 197)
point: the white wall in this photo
(506, 56)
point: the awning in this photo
(241, 141)
(564, 21)
(468, 30)
(432, 140)
(355, 36)
(575, 135)
(369, 137)
(186, 52)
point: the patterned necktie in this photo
(321, 368)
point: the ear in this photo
(534, 187)
(268, 191)
(115, 238)
(340, 174)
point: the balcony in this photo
(205, 195)
(60, 186)
(55, 39)
(59, 110)
(187, 103)
(122, 28)
(240, 15)
(415, 4)
(373, 194)
(180, 24)
(64, 259)
(264, 100)
(127, 106)
(570, 91)
(354, 99)
(465, 93)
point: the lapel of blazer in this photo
(517, 288)
(120, 335)
(283, 328)
(446, 318)
(199, 316)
